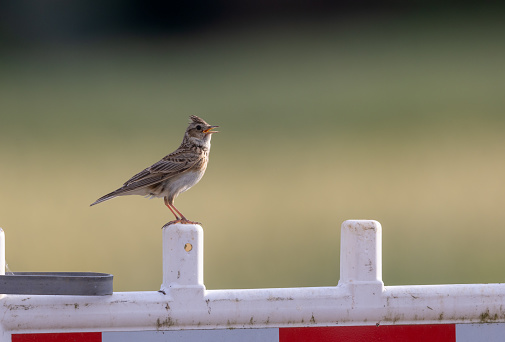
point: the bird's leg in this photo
(177, 219)
(182, 219)
(180, 214)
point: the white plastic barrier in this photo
(360, 305)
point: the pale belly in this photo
(172, 187)
(183, 182)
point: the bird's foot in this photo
(181, 221)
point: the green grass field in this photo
(395, 120)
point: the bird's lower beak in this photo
(209, 130)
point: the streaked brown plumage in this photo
(175, 173)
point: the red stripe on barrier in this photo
(58, 337)
(382, 333)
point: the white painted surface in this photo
(359, 299)
(226, 335)
(487, 332)
(2, 252)
(183, 257)
(361, 252)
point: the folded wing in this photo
(171, 165)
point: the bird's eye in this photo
(199, 127)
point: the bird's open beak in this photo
(209, 130)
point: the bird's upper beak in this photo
(209, 130)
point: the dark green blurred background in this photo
(327, 110)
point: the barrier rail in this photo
(359, 305)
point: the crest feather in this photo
(196, 119)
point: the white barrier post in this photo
(182, 258)
(363, 264)
(361, 261)
(185, 310)
(2, 252)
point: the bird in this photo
(174, 173)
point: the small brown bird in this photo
(175, 173)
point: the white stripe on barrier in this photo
(228, 335)
(485, 332)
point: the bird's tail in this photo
(105, 198)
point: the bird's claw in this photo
(181, 221)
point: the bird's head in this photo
(199, 132)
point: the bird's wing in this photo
(175, 163)
(141, 183)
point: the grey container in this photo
(57, 283)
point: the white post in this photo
(361, 263)
(182, 257)
(2, 252)
(361, 252)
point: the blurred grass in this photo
(386, 118)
